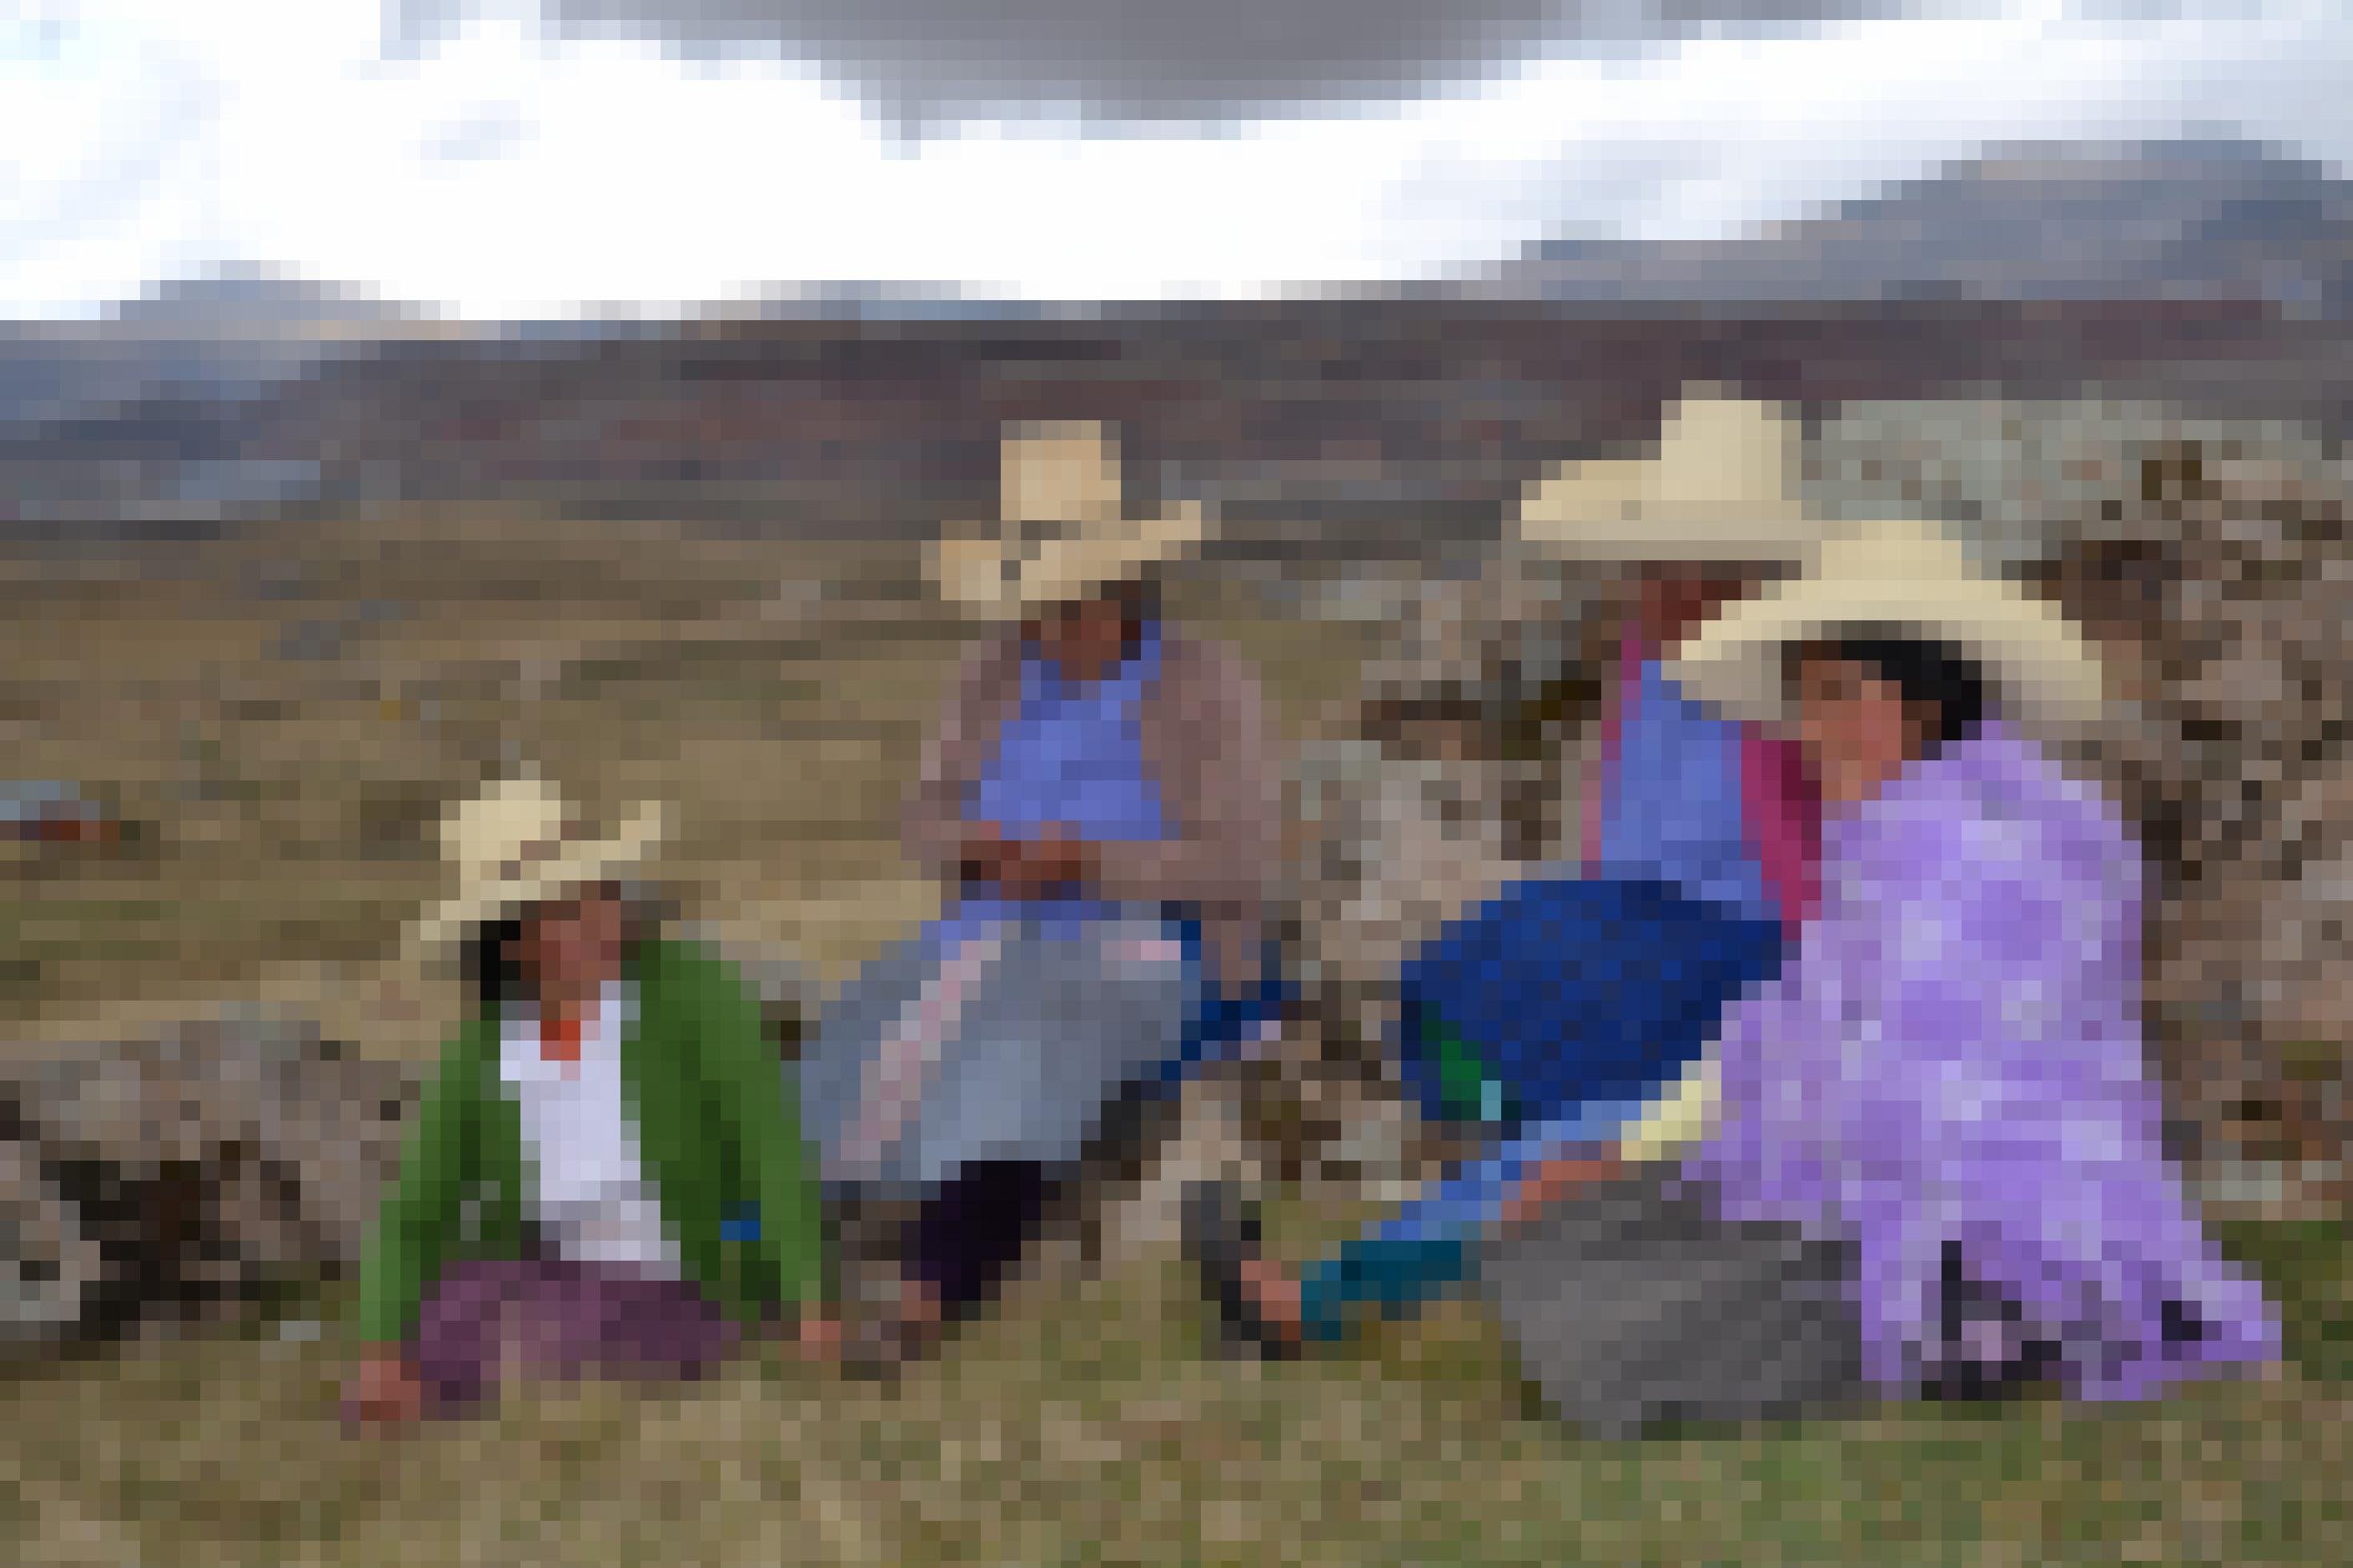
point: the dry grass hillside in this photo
(284, 716)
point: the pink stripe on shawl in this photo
(1784, 815)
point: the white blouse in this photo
(594, 1199)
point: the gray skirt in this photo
(1004, 1045)
(1634, 1305)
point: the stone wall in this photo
(2210, 561)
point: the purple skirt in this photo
(561, 1320)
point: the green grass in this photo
(2309, 1266)
(1082, 1424)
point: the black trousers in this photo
(970, 1233)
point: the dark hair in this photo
(1928, 673)
(492, 977)
(1141, 588)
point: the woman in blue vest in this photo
(1099, 799)
(1576, 1009)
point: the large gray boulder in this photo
(202, 1163)
(1453, 769)
(51, 1267)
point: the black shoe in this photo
(1222, 1235)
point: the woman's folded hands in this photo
(1052, 861)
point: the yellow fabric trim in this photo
(1683, 1115)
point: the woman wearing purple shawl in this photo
(1931, 1162)
(1924, 1158)
(1948, 1078)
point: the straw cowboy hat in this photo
(1065, 530)
(1723, 487)
(518, 844)
(1911, 577)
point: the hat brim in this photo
(971, 573)
(576, 866)
(2043, 668)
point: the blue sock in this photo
(1395, 1275)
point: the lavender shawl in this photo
(1954, 1055)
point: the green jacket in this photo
(717, 1130)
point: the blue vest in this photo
(1675, 812)
(1073, 754)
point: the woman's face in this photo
(569, 948)
(1856, 729)
(1086, 636)
(1673, 600)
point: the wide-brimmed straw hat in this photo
(1065, 530)
(1722, 488)
(1904, 579)
(518, 844)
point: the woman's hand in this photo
(1053, 861)
(982, 858)
(1058, 860)
(385, 1391)
(816, 1335)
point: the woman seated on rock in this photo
(561, 1205)
(1577, 1007)
(1927, 1158)
(1099, 797)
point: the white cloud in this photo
(1743, 133)
(154, 136)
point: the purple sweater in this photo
(1954, 1055)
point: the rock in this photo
(2219, 577)
(2208, 559)
(1398, 848)
(1454, 769)
(215, 1157)
(1206, 1139)
(50, 1266)
(1488, 643)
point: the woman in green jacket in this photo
(611, 1100)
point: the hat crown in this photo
(1723, 451)
(1719, 484)
(1059, 476)
(515, 820)
(1063, 528)
(1903, 550)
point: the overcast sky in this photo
(475, 158)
